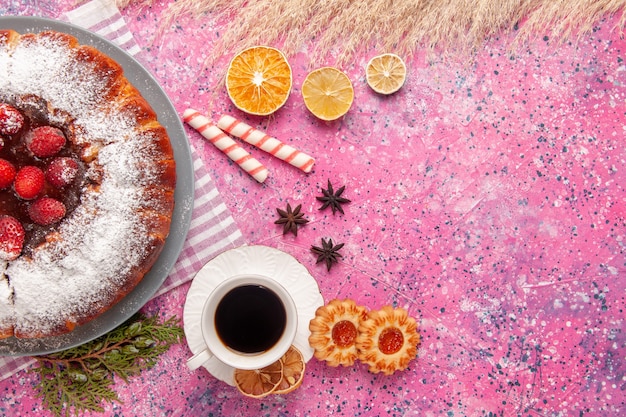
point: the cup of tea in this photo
(248, 322)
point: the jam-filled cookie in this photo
(387, 340)
(334, 331)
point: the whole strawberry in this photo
(29, 182)
(62, 172)
(11, 238)
(45, 141)
(11, 120)
(46, 211)
(7, 174)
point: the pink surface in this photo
(487, 199)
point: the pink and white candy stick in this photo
(224, 143)
(265, 142)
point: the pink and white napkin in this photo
(212, 229)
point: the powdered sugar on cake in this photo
(84, 265)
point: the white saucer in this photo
(262, 260)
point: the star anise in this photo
(290, 219)
(328, 253)
(333, 199)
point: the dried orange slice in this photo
(293, 371)
(385, 73)
(257, 383)
(258, 80)
(327, 93)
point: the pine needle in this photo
(81, 378)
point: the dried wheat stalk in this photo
(336, 30)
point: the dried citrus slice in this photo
(327, 93)
(258, 383)
(385, 73)
(258, 80)
(293, 371)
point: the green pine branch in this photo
(81, 378)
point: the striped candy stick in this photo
(265, 142)
(224, 143)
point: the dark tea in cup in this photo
(250, 318)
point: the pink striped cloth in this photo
(212, 229)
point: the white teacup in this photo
(248, 322)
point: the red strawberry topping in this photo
(46, 211)
(11, 238)
(29, 182)
(61, 172)
(7, 174)
(45, 141)
(11, 120)
(37, 169)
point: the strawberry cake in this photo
(87, 178)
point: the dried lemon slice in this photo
(293, 371)
(387, 340)
(258, 80)
(327, 93)
(385, 73)
(257, 383)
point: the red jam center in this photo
(344, 333)
(390, 340)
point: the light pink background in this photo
(487, 199)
